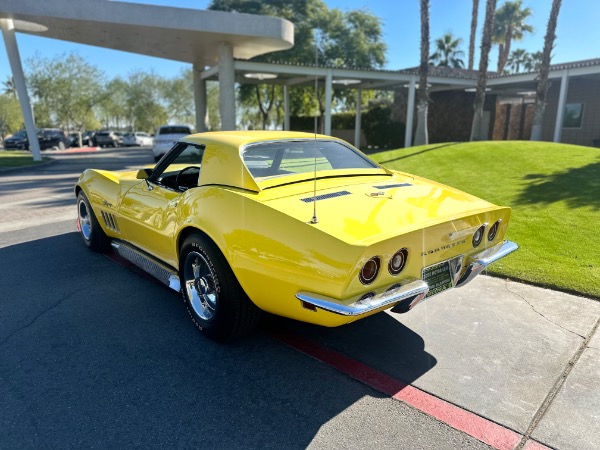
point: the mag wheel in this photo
(88, 226)
(214, 298)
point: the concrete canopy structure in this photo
(198, 37)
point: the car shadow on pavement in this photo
(95, 355)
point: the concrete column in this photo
(562, 101)
(410, 112)
(200, 99)
(328, 94)
(226, 86)
(8, 32)
(358, 119)
(286, 108)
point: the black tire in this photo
(218, 305)
(90, 230)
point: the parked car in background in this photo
(109, 138)
(48, 138)
(87, 139)
(17, 141)
(166, 136)
(137, 138)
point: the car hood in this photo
(364, 210)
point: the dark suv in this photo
(47, 137)
(105, 138)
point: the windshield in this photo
(272, 159)
(20, 134)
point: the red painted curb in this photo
(81, 150)
(476, 426)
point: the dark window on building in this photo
(573, 115)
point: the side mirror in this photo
(143, 174)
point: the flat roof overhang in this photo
(180, 34)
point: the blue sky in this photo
(578, 33)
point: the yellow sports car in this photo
(299, 225)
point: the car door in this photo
(149, 210)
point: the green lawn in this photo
(16, 158)
(553, 189)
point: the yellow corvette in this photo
(300, 225)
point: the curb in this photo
(22, 168)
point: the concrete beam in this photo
(562, 101)
(226, 87)
(328, 95)
(358, 117)
(8, 32)
(410, 112)
(200, 99)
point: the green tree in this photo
(509, 25)
(421, 134)
(518, 59)
(486, 45)
(473, 33)
(346, 39)
(533, 62)
(67, 88)
(144, 101)
(176, 98)
(112, 109)
(11, 118)
(542, 87)
(447, 52)
(9, 87)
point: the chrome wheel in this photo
(201, 285)
(85, 221)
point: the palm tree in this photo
(518, 57)
(9, 87)
(533, 62)
(486, 45)
(447, 53)
(509, 25)
(421, 135)
(542, 87)
(474, 13)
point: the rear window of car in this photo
(103, 133)
(174, 130)
(293, 157)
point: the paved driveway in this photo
(96, 355)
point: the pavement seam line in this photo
(556, 388)
(537, 312)
(32, 321)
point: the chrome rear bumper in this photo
(411, 293)
(477, 263)
(406, 297)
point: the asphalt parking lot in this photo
(94, 354)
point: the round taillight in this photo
(493, 231)
(478, 236)
(398, 261)
(369, 271)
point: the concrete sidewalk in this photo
(524, 357)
